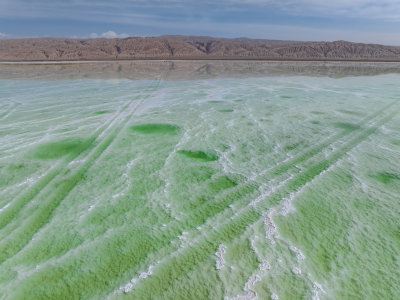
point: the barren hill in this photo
(187, 47)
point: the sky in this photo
(370, 21)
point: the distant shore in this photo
(77, 61)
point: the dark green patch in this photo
(196, 202)
(397, 143)
(348, 126)
(215, 101)
(317, 112)
(61, 148)
(386, 177)
(286, 97)
(168, 129)
(198, 155)
(225, 110)
(315, 122)
(15, 167)
(101, 112)
(291, 147)
(222, 183)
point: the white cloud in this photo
(375, 20)
(369, 9)
(108, 35)
(3, 35)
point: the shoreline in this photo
(167, 59)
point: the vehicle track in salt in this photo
(19, 236)
(206, 245)
(286, 166)
(278, 194)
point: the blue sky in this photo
(354, 20)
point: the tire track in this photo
(214, 207)
(18, 203)
(205, 212)
(291, 163)
(39, 135)
(15, 241)
(200, 250)
(8, 111)
(247, 215)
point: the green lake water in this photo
(200, 180)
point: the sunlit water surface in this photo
(200, 180)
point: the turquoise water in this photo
(200, 181)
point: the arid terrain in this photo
(187, 47)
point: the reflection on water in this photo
(176, 70)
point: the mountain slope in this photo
(186, 47)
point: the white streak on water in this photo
(248, 288)
(126, 182)
(316, 290)
(388, 149)
(77, 161)
(265, 265)
(225, 161)
(274, 296)
(220, 262)
(4, 207)
(299, 254)
(296, 270)
(270, 191)
(271, 232)
(131, 284)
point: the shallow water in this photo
(200, 180)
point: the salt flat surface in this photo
(263, 185)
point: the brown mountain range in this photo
(188, 47)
